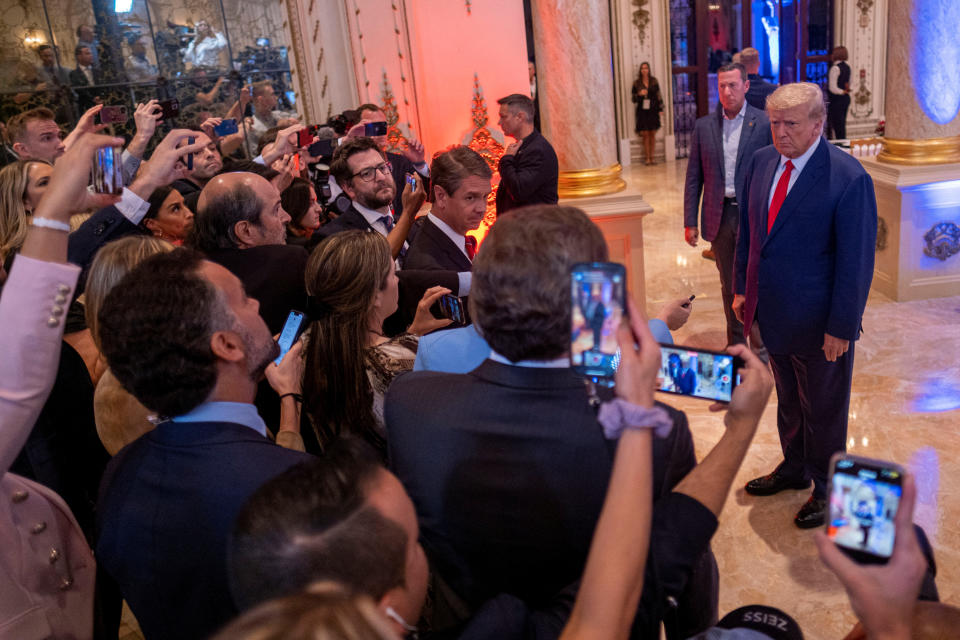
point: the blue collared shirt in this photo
(732, 127)
(237, 412)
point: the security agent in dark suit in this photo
(85, 75)
(804, 265)
(529, 170)
(518, 441)
(759, 88)
(720, 151)
(180, 333)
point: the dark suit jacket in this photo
(706, 171)
(167, 505)
(432, 249)
(104, 226)
(402, 167)
(812, 273)
(529, 176)
(758, 91)
(273, 274)
(84, 96)
(351, 219)
(508, 471)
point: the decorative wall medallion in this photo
(864, 6)
(863, 97)
(942, 241)
(881, 234)
(641, 18)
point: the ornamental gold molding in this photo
(920, 152)
(591, 182)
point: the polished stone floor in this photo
(905, 407)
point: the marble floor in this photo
(905, 407)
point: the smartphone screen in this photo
(700, 373)
(863, 499)
(412, 181)
(292, 329)
(596, 308)
(451, 307)
(111, 114)
(107, 171)
(375, 129)
(226, 127)
(189, 157)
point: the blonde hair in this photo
(325, 611)
(797, 94)
(109, 266)
(14, 179)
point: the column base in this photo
(590, 182)
(920, 152)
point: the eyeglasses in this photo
(368, 174)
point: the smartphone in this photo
(451, 307)
(597, 291)
(107, 173)
(169, 108)
(188, 159)
(322, 148)
(112, 114)
(863, 498)
(304, 137)
(412, 181)
(292, 329)
(699, 373)
(375, 129)
(226, 128)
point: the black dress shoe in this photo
(773, 483)
(811, 514)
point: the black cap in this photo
(767, 620)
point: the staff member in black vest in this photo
(838, 83)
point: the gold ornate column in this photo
(575, 84)
(923, 92)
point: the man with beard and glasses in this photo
(364, 173)
(182, 335)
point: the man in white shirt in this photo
(720, 151)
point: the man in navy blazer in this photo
(180, 333)
(804, 267)
(723, 144)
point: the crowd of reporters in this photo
(333, 492)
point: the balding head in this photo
(238, 210)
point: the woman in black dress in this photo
(646, 93)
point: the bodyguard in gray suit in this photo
(722, 145)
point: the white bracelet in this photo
(50, 224)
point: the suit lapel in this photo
(718, 140)
(461, 262)
(809, 177)
(746, 131)
(767, 180)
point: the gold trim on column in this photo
(920, 152)
(591, 182)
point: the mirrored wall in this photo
(71, 54)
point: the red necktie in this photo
(779, 195)
(470, 243)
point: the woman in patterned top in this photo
(352, 283)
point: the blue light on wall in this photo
(936, 58)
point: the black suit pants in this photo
(813, 398)
(724, 248)
(837, 117)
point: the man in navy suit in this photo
(723, 144)
(182, 335)
(803, 270)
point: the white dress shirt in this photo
(798, 165)
(732, 127)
